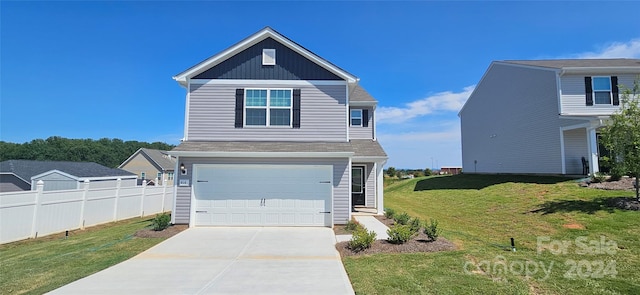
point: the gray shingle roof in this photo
(161, 158)
(361, 95)
(360, 147)
(578, 63)
(26, 169)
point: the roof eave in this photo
(261, 154)
(591, 70)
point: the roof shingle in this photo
(26, 169)
(578, 63)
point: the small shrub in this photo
(431, 230)
(361, 239)
(389, 213)
(352, 225)
(415, 224)
(161, 221)
(402, 218)
(400, 234)
(598, 177)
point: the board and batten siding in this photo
(573, 97)
(341, 187)
(510, 124)
(575, 147)
(361, 132)
(211, 114)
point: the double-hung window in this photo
(602, 90)
(268, 107)
(356, 117)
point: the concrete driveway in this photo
(224, 260)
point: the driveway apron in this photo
(225, 260)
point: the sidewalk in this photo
(370, 223)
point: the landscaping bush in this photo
(400, 234)
(415, 224)
(598, 177)
(402, 218)
(389, 213)
(161, 221)
(361, 239)
(352, 225)
(431, 230)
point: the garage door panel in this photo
(263, 195)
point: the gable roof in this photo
(265, 33)
(26, 169)
(578, 63)
(161, 159)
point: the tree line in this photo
(106, 151)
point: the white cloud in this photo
(441, 101)
(630, 49)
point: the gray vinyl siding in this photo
(510, 124)
(370, 185)
(573, 98)
(575, 146)
(247, 64)
(341, 187)
(55, 181)
(212, 114)
(11, 183)
(360, 132)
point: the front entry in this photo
(357, 186)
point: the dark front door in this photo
(357, 186)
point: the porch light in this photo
(183, 169)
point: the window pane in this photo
(603, 97)
(356, 114)
(280, 98)
(257, 117)
(356, 122)
(356, 180)
(279, 117)
(601, 83)
(256, 98)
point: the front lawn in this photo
(585, 246)
(41, 265)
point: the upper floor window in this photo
(143, 175)
(356, 117)
(169, 175)
(268, 107)
(159, 175)
(602, 90)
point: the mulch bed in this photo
(420, 243)
(625, 183)
(625, 203)
(166, 233)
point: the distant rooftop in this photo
(26, 169)
(578, 63)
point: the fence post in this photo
(144, 192)
(85, 189)
(34, 222)
(164, 192)
(115, 207)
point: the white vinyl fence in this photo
(31, 214)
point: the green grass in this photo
(44, 264)
(480, 213)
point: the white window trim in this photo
(268, 107)
(268, 57)
(351, 117)
(593, 91)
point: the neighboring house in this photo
(275, 135)
(18, 175)
(150, 164)
(450, 170)
(542, 116)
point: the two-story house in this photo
(542, 116)
(151, 165)
(275, 135)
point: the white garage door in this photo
(257, 195)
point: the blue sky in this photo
(90, 69)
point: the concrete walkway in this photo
(370, 223)
(223, 260)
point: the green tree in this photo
(391, 171)
(621, 135)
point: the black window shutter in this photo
(239, 108)
(296, 108)
(588, 90)
(614, 85)
(365, 118)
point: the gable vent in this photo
(268, 57)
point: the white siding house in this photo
(541, 116)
